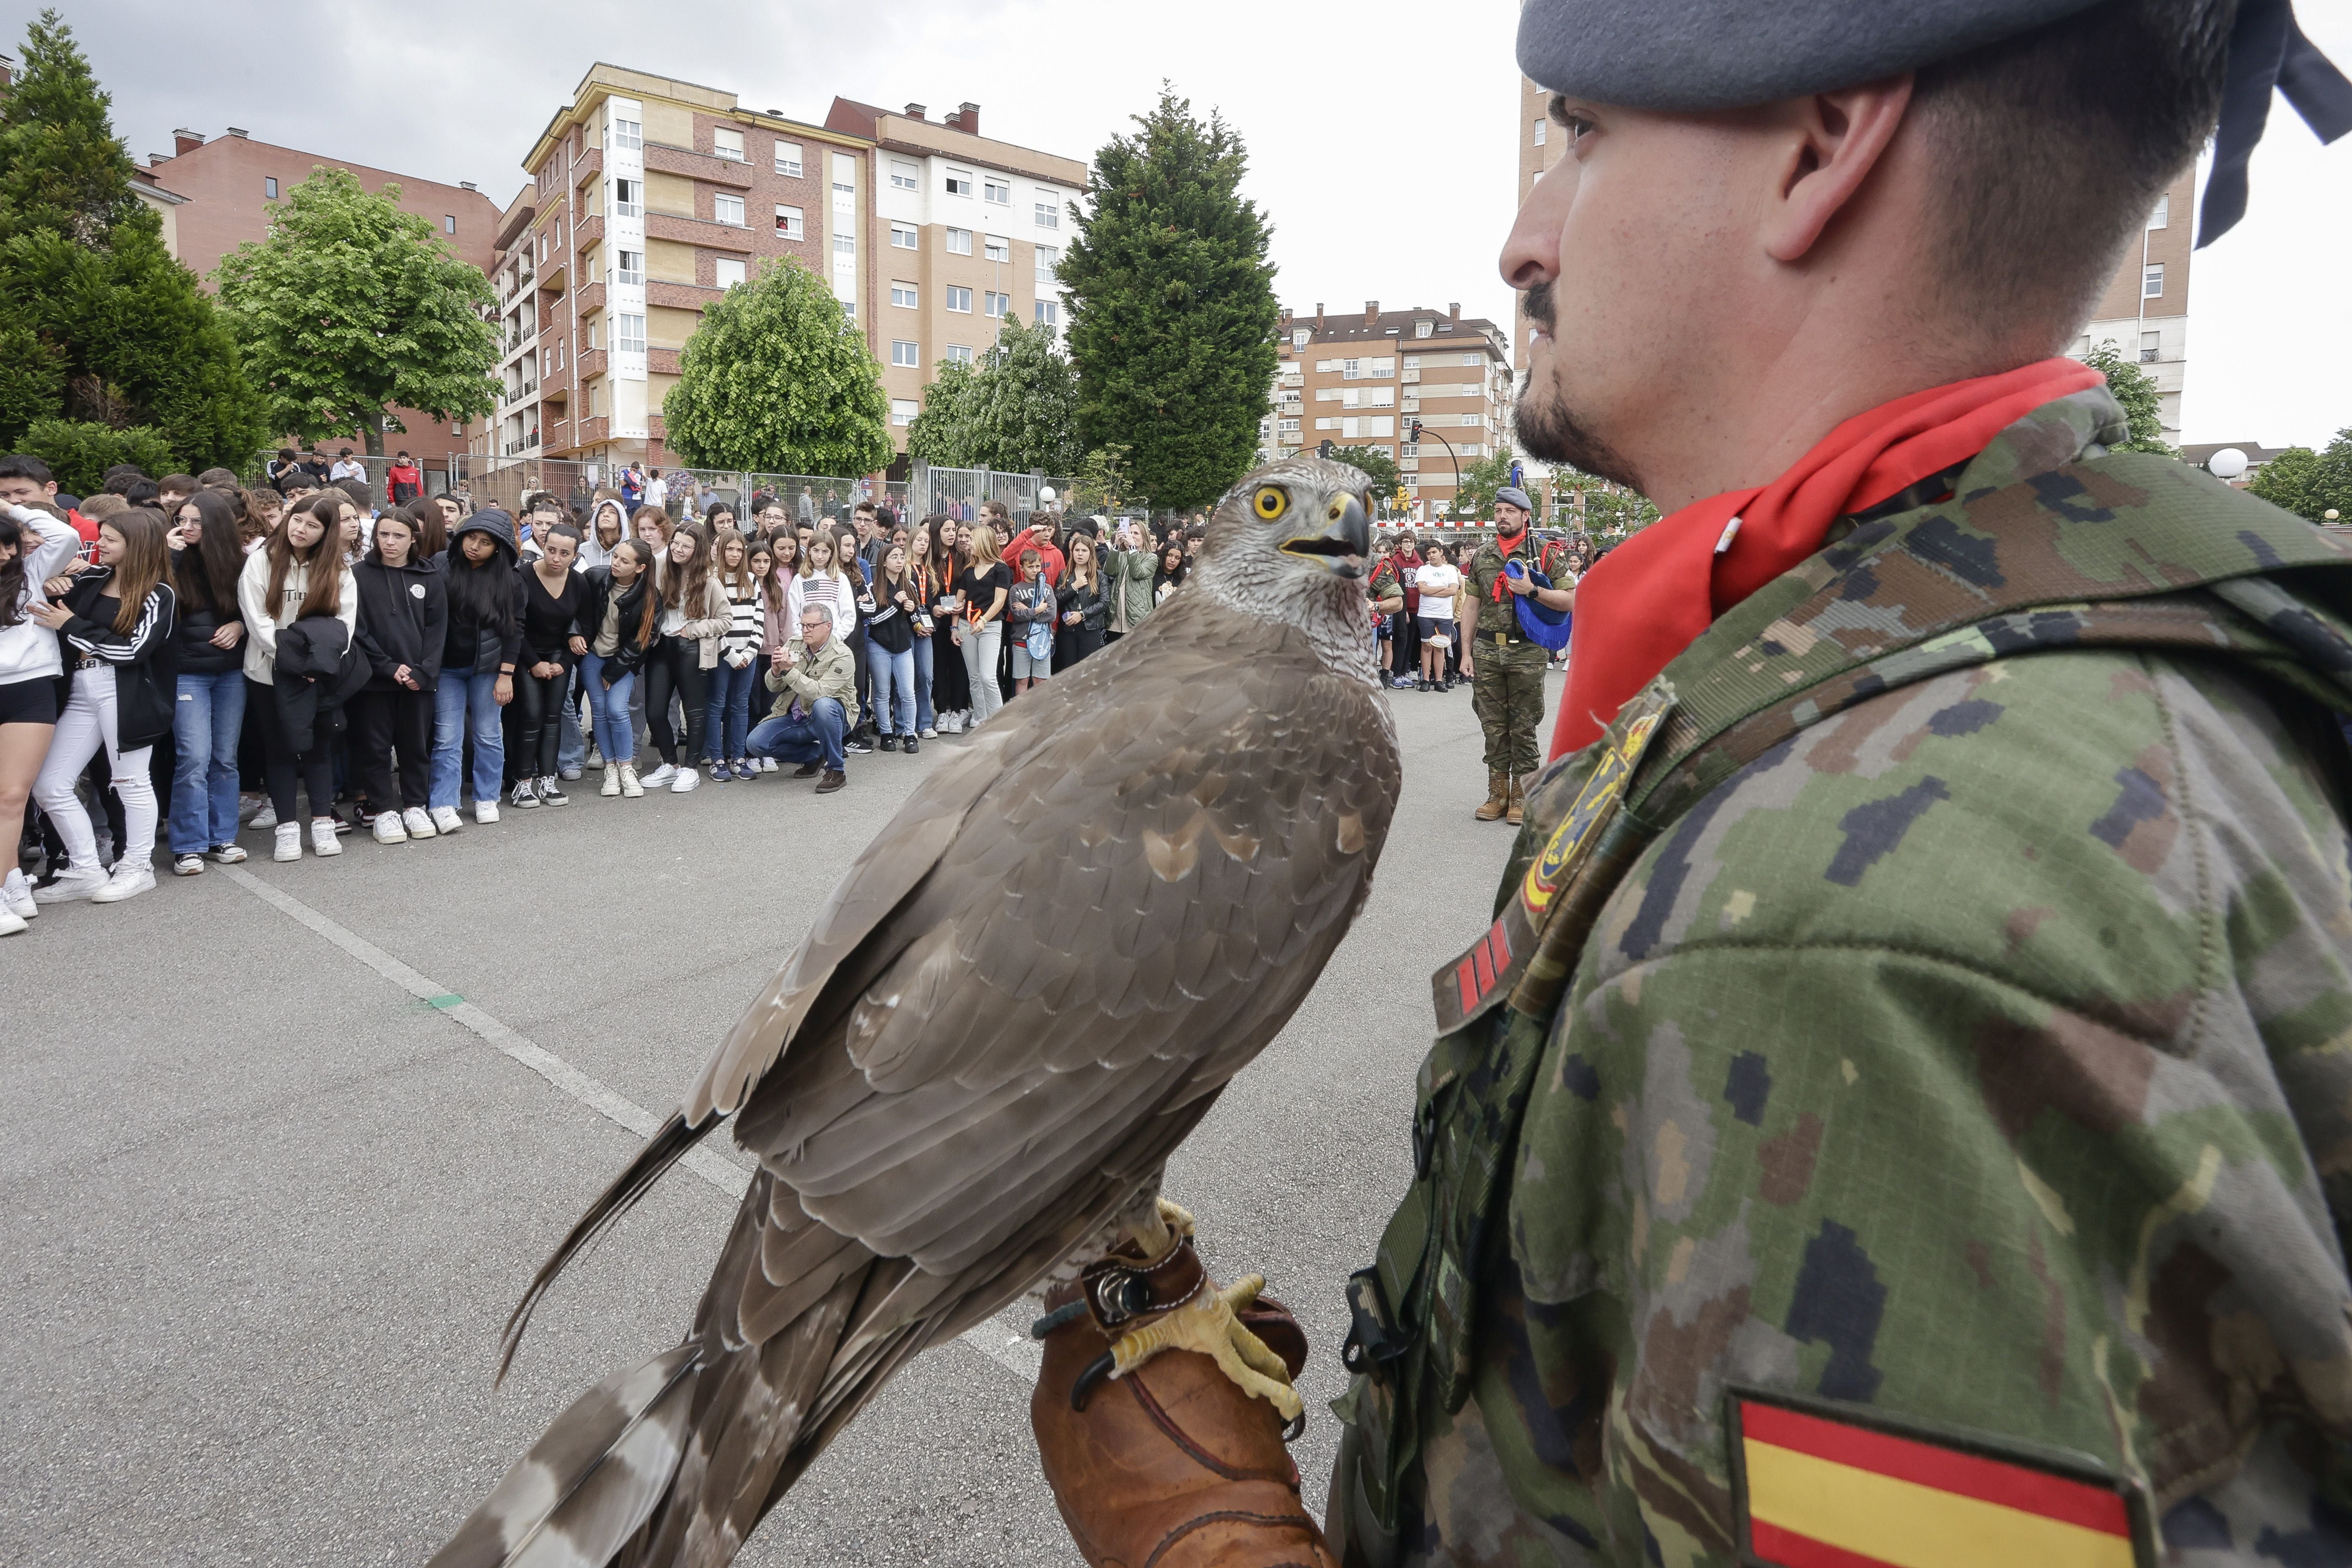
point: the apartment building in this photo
(1361, 379)
(2145, 312)
(648, 197)
(968, 233)
(215, 195)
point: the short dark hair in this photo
(217, 479)
(185, 484)
(140, 491)
(2057, 143)
(24, 465)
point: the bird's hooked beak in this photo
(1345, 545)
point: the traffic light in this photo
(1323, 451)
(1416, 430)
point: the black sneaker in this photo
(550, 793)
(807, 771)
(889, 742)
(859, 747)
(910, 745)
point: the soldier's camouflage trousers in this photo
(1507, 694)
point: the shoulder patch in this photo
(1820, 1484)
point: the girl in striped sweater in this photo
(740, 569)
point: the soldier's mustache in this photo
(1537, 304)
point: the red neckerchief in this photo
(1652, 596)
(1505, 545)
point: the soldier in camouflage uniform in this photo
(1901, 1110)
(1506, 670)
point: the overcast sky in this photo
(1383, 137)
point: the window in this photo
(728, 210)
(2151, 283)
(628, 198)
(630, 267)
(788, 159)
(2162, 216)
(2150, 344)
(958, 242)
(903, 175)
(789, 224)
(1381, 368)
(958, 354)
(844, 249)
(1049, 312)
(902, 235)
(994, 248)
(448, 223)
(959, 182)
(904, 294)
(1049, 216)
(903, 410)
(1424, 327)
(905, 355)
(1048, 257)
(728, 144)
(996, 304)
(845, 174)
(270, 186)
(960, 300)
(1478, 360)
(1287, 426)
(629, 334)
(1349, 369)
(559, 355)
(627, 132)
(727, 271)
(997, 190)
(1540, 124)
(1299, 338)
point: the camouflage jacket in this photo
(1485, 564)
(1960, 1055)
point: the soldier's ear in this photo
(1829, 144)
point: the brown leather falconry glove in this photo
(1170, 1463)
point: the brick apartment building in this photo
(216, 193)
(2145, 310)
(1360, 380)
(968, 231)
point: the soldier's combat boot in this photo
(1519, 802)
(1499, 797)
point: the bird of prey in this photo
(965, 1082)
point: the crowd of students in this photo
(190, 656)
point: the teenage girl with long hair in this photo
(988, 587)
(945, 576)
(208, 717)
(552, 597)
(117, 622)
(891, 607)
(618, 617)
(693, 619)
(728, 719)
(299, 571)
(918, 546)
(1081, 602)
(402, 629)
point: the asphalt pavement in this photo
(280, 1146)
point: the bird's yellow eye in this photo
(1270, 502)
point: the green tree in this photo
(1473, 498)
(775, 381)
(1015, 410)
(79, 452)
(351, 305)
(2310, 483)
(2135, 390)
(1172, 305)
(1601, 507)
(1376, 464)
(98, 323)
(1100, 482)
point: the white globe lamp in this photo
(2226, 464)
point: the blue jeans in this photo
(923, 714)
(608, 710)
(728, 715)
(205, 723)
(464, 701)
(886, 671)
(570, 746)
(814, 737)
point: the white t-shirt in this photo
(1438, 584)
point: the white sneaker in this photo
(389, 828)
(767, 764)
(265, 819)
(419, 823)
(631, 786)
(16, 895)
(323, 840)
(928, 732)
(551, 792)
(486, 812)
(688, 781)
(290, 841)
(659, 776)
(446, 820)
(524, 798)
(611, 784)
(227, 854)
(11, 922)
(130, 879)
(187, 865)
(77, 882)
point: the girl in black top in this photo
(888, 611)
(403, 623)
(117, 623)
(1170, 575)
(207, 720)
(552, 597)
(1083, 609)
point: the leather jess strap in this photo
(1116, 1290)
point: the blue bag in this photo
(1544, 627)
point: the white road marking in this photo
(995, 1338)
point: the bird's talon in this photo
(1207, 1324)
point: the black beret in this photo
(1683, 56)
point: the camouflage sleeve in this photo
(1983, 1056)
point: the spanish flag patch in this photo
(1821, 1485)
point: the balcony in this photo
(590, 298)
(662, 361)
(589, 365)
(729, 172)
(593, 432)
(699, 231)
(586, 231)
(591, 162)
(684, 295)
(558, 276)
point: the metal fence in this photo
(959, 492)
(438, 479)
(505, 482)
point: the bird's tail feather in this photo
(665, 1147)
(592, 1478)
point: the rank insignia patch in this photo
(1819, 1485)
